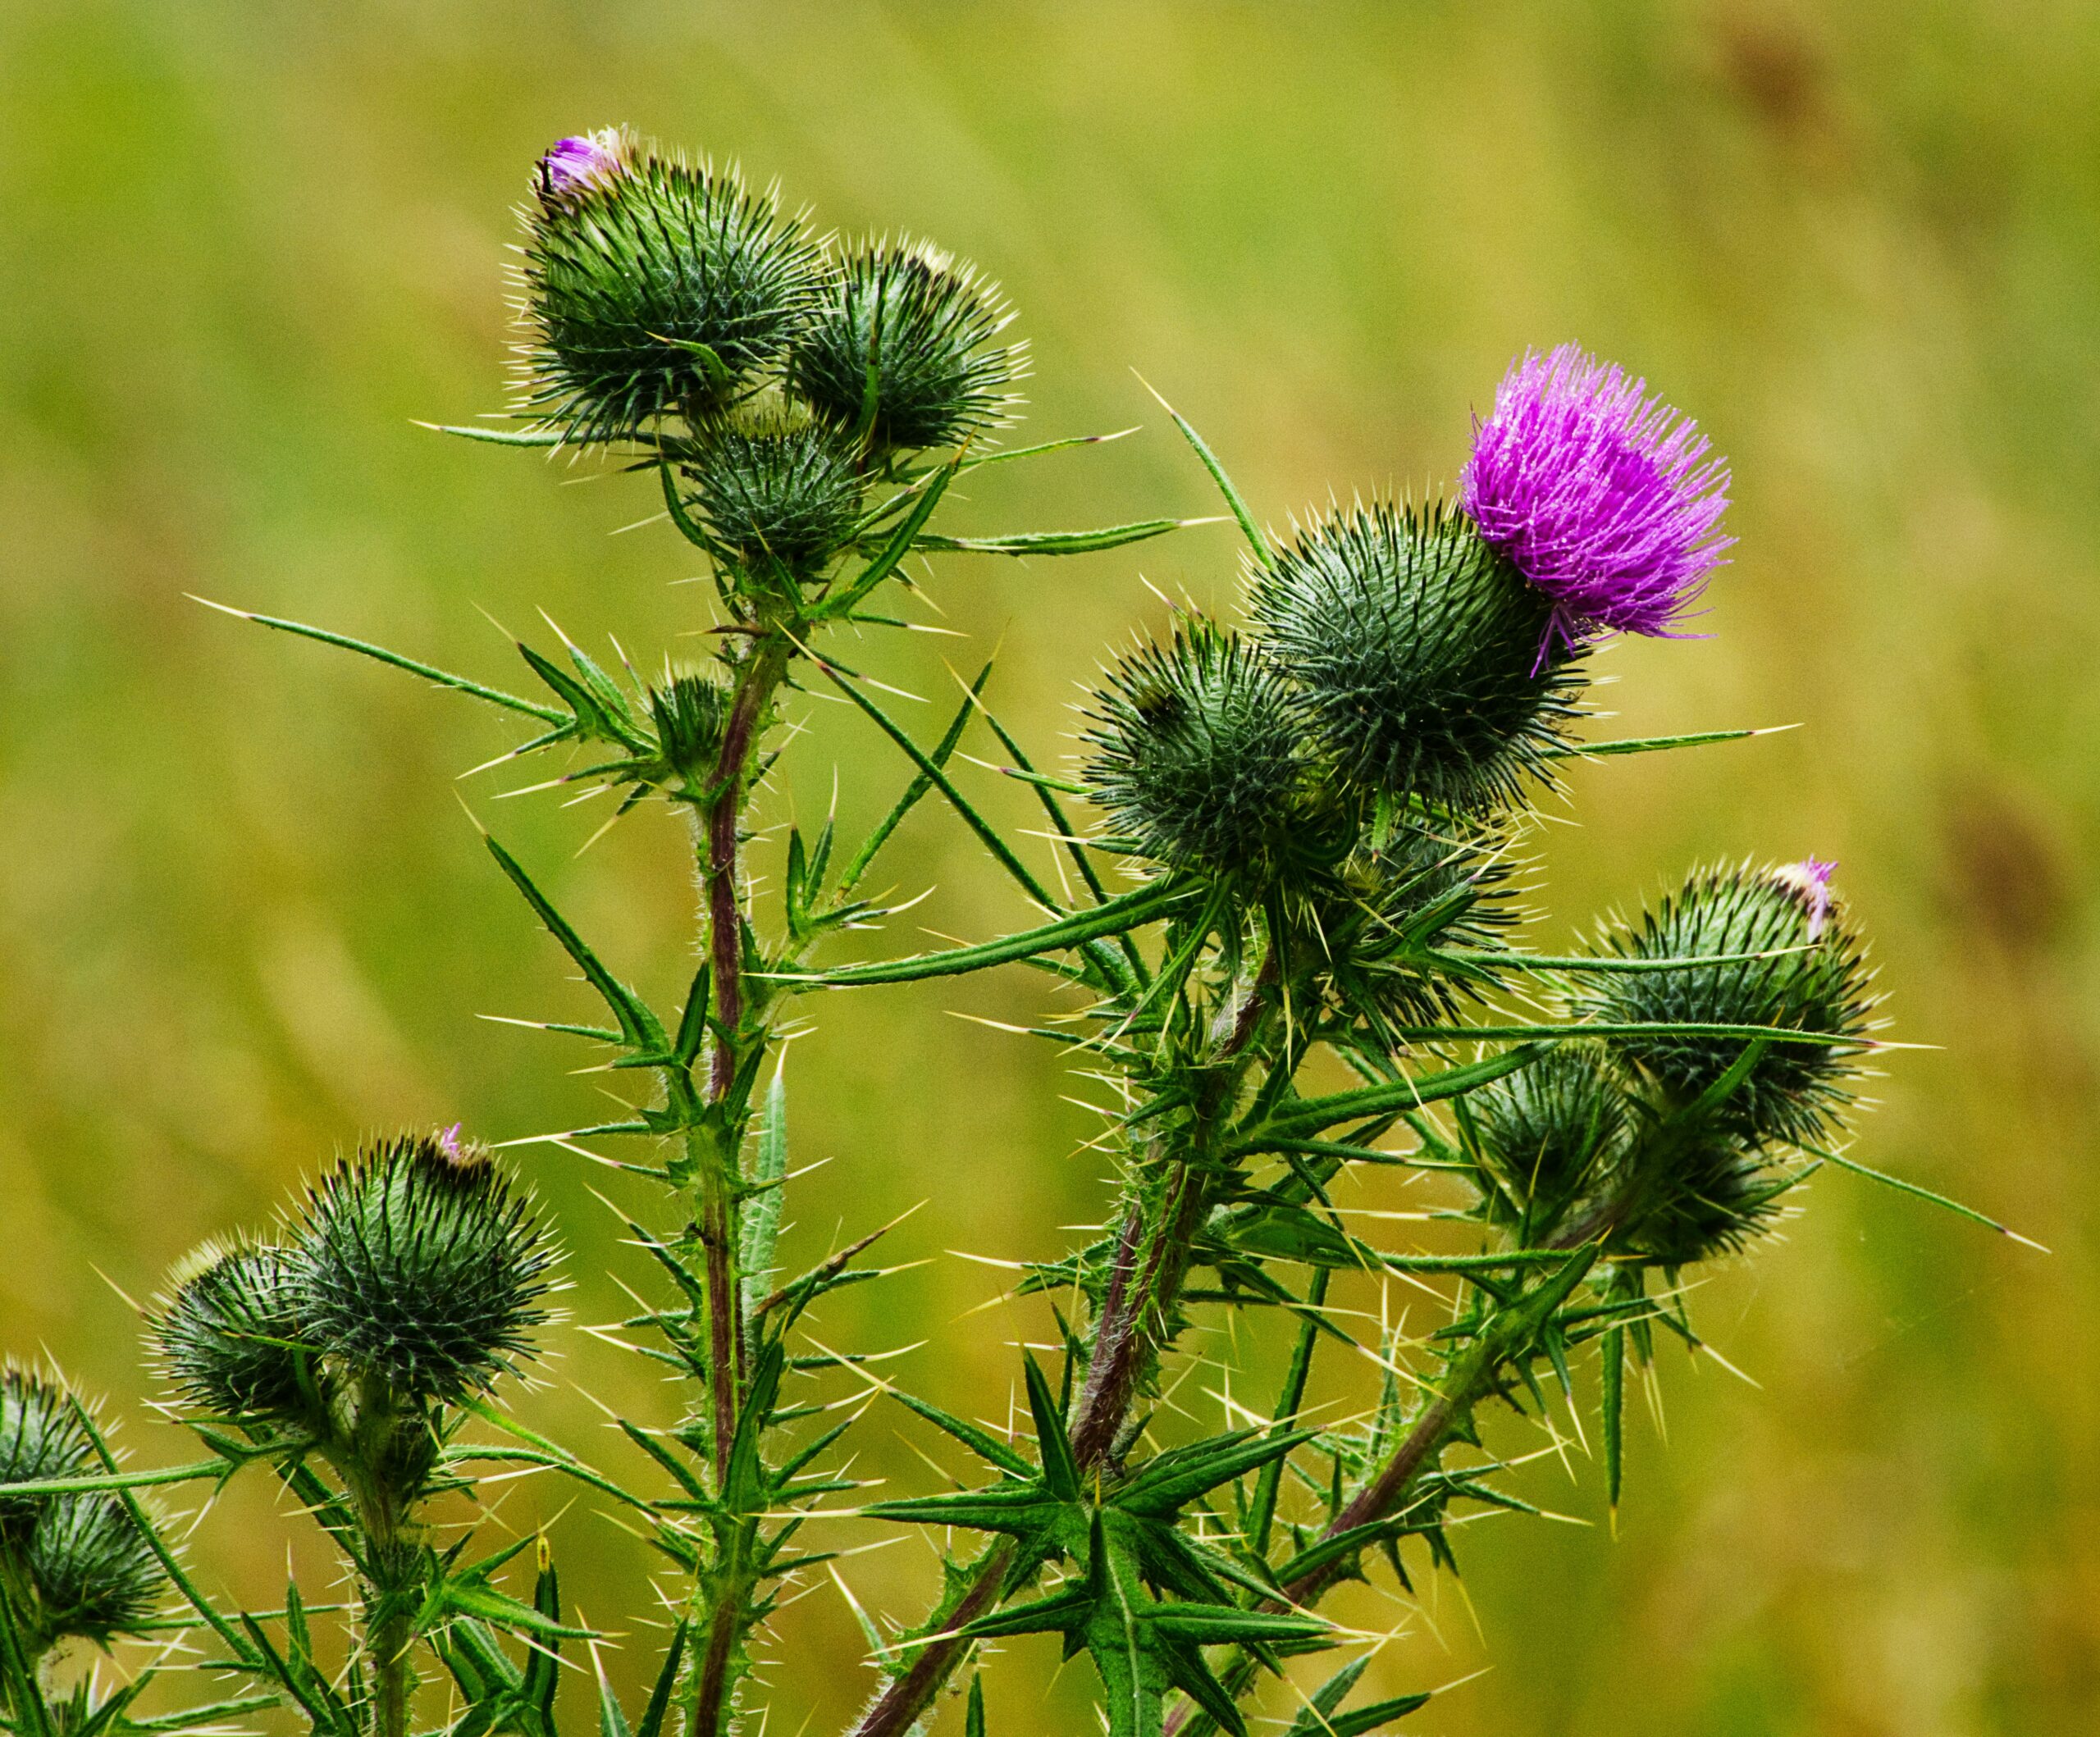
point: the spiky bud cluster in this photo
(1552, 1131)
(778, 494)
(1415, 653)
(653, 286)
(413, 1263)
(1811, 976)
(72, 1565)
(1197, 759)
(900, 348)
(1377, 923)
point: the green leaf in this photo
(660, 1698)
(638, 1026)
(612, 1718)
(1062, 542)
(1058, 1614)
(892, 553)
(1916, 1193)
(1646, 744)
(1061, 1471)
(1304, 1117)
(443, 678)
(982, 1443)
(1128, 911)
(972, 1722)
(1255, 540)
(1169, 1482)
(849, 876)
(761, 1229)
(1226, 1625)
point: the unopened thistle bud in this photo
(1812, 976)
(1603, 499)
(1377, 929)
(1198, 760)
(652, 287)
(901, 349)
(417, 1263)
(691, 707)
(230, 1341)
(778, 494)
(40, 1438)
(95, 1573)
(1551, 1131)
(1715, 1194)
(1416, 652)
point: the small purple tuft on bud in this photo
(582, 161)
(1810, 881)
(1603, 499)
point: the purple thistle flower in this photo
(579, 162)
(1603, 499)
(1809, 881)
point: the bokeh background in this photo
(242, 916)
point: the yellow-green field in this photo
(242, 916)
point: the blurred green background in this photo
(242, 916)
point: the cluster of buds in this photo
(73, 1566)
(668, 304)
(410, 1279)
(1357, 767)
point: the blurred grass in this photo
(242, 916)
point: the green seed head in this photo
(95, 1573)
(417, 1263)
(230, 1341)
(1815, 978)
(40, 1438)
(901, 349)
(1197, 762)
(1420, 656)
(778, 494)
(1550, 1132)
(654, 287)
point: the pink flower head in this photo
(582, 161)
(1808, 881)
(448, 1141)
(1603, 499)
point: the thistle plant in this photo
(1302, 848)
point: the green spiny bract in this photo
(903, 321)
(1375, 925)
(41, 1438)
(419, 1264)
(94, 1571)
(1552, 1131)
(776, 494)
(1419, 655)
(658, 287)
(1816, 980)
(230, 1340)
(1198, 763)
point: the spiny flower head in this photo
(776, 493)
(1810, 974)
(900, 348)
(41, 1438)
(95, 1572)
(1414, 648)
(1198, 761)
(653, 287)
(1549, 1132)
(231, 1339)
(1605, 498)
(417, 1263)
